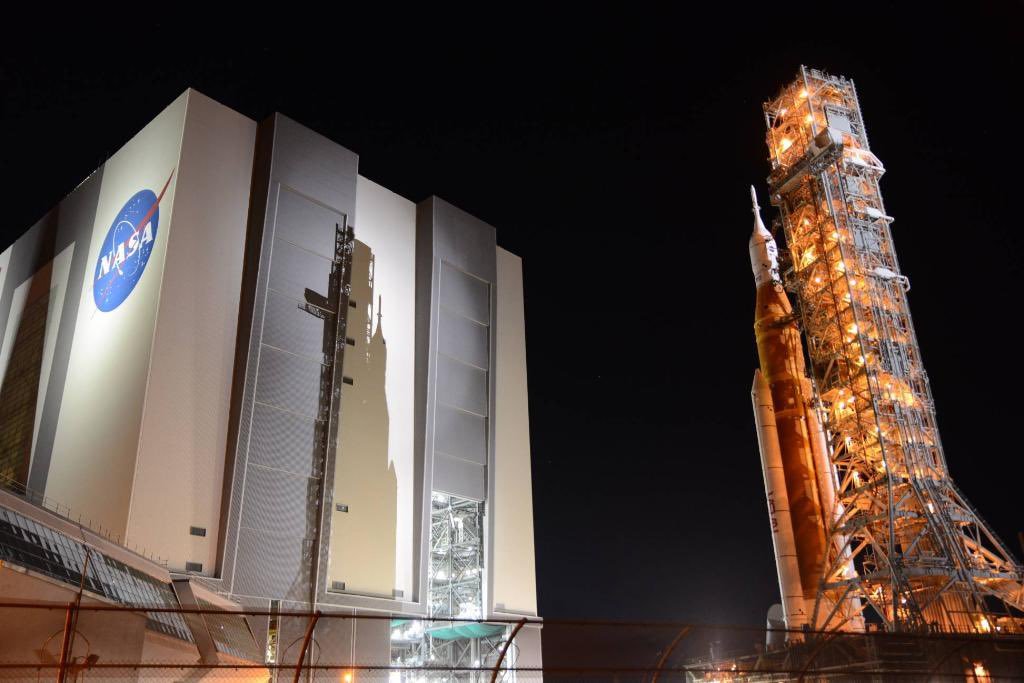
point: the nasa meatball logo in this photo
(127, 248)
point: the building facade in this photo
(297, 387)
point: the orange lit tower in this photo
(901, 543)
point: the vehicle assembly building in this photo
(228, 350)
(868, 527)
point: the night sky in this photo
(615, 156)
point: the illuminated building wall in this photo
(229, 348)
(121, 415)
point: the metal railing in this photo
(66, 513)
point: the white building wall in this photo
(180, 466)
(6, 340)
(96, 441)
(140, 442)
(5, 259)
(514, 576)
(367, 537)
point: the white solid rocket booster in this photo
(764, 262)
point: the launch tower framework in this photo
(903, 541)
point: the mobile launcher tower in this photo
(868, 526)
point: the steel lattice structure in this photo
(456, 590)
(902, 541)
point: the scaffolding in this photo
(455, 579)
(905, 547)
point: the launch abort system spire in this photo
(903, 547)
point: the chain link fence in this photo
(94, 641)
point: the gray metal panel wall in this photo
(456, 274)
(303, 187)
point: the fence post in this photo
(668, 652)
(497, 665)
(62, 669)
(305, 645)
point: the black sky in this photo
(615, 159)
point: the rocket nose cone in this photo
(760, 384)
(763, 250)
(760, 232)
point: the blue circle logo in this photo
(126, 249)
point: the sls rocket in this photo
(798, 479)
